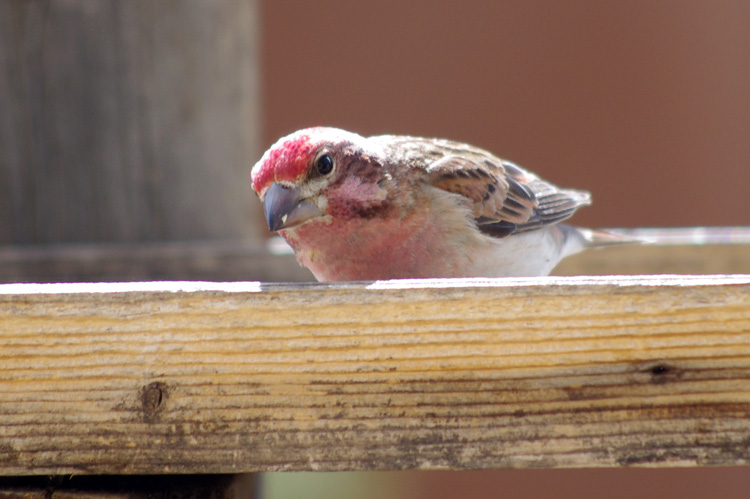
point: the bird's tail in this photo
(580, 238)
(606, 237)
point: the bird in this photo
(357, 208)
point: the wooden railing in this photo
(196, 377)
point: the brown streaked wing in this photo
(495, 196)
(506, 198)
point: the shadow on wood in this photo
(129, 487)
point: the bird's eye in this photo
(324, 164)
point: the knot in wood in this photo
(152, 398)
(660, 370)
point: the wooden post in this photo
(127, 120)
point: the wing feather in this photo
(505, 198)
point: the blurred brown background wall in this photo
(646, 104)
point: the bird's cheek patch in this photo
(353, 188)
(354, 198)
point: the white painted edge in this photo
(129, 287)
(398, 284)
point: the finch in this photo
(391, 207)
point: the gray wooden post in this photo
(127, 121)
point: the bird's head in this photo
(304, 175)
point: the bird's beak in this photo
(285, 207)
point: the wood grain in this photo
(209, 378)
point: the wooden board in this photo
(184, 260)
(218, 378)
(672, 250)
(234, 260)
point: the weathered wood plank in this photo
(676, 251)
(201, 377)
(184, 260)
